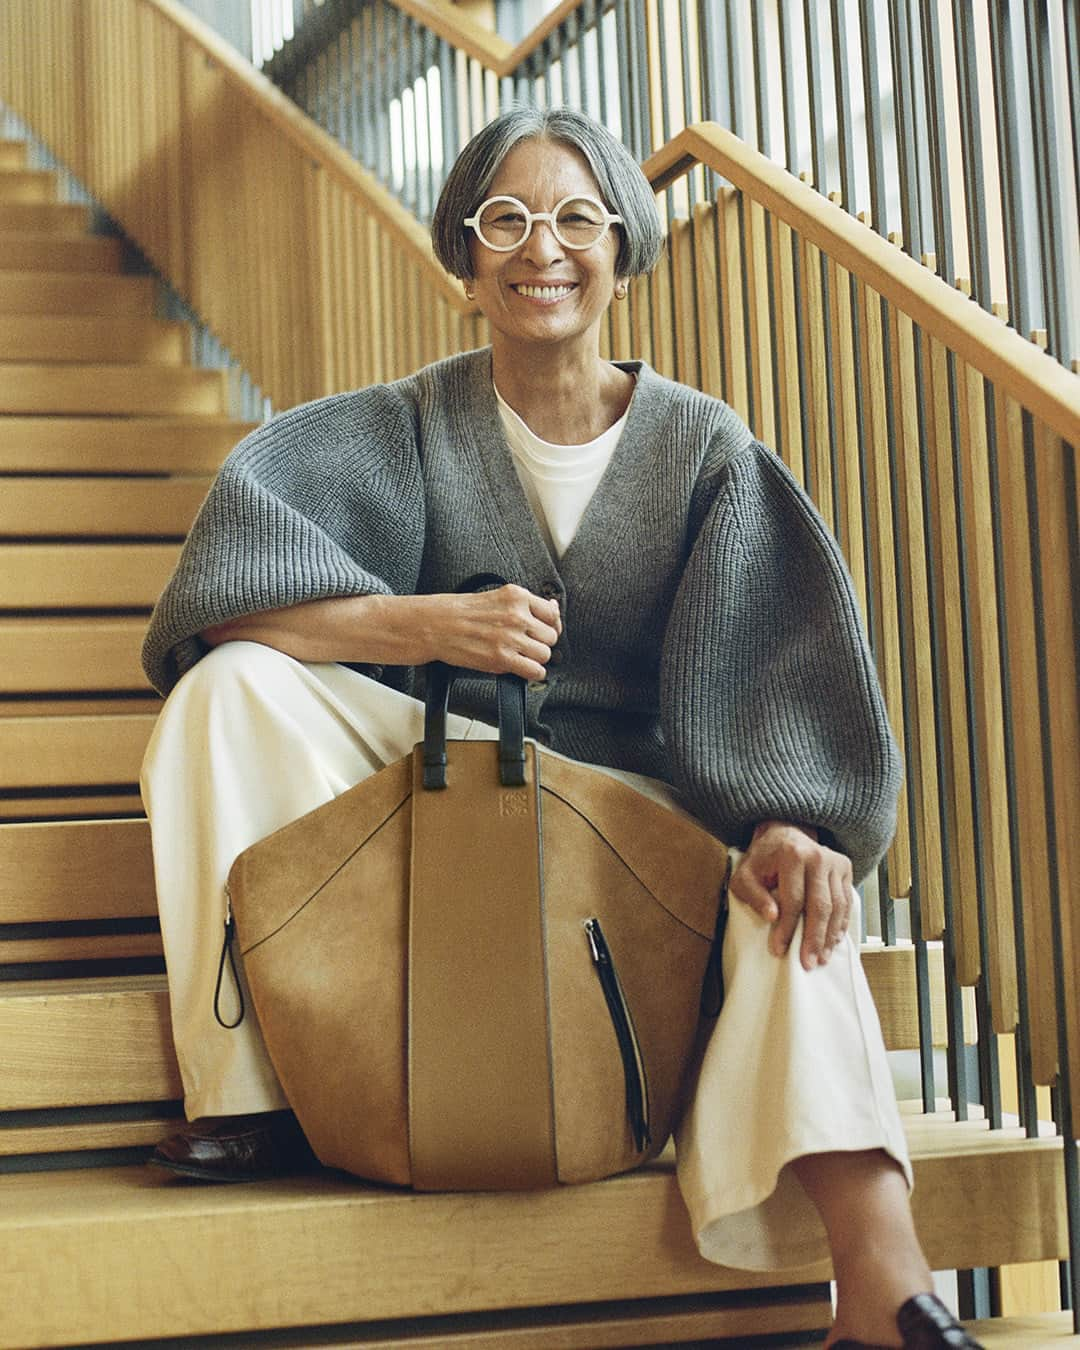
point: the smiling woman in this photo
(684, 621)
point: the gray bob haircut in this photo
(623, 187)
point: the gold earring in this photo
(469, 295)
(620, 291)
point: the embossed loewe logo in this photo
(514, 803)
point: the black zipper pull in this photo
(227, 950)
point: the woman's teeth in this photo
(543, 292)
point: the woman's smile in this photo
(547, 292)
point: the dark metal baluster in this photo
(601, 60)
(761, 45)
(736, 78)
(1014, 200)
(905, 127)
(711, 100)
(627, 91)
(1053, 230)
(451, 134)
(641, 53)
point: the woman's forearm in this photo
(364, 629)
(505, 630)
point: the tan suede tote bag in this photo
(482, 970)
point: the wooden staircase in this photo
(108, 440)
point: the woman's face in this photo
(577, 283)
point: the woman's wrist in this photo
(810, 831)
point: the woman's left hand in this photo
(786, 873)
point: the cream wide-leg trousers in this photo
(250, 739)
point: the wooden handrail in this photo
(315, 142)
(1034, 379)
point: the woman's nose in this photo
(542, 247)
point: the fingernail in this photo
(811, 961)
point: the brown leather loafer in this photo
(925, 1324)
(237, 1148)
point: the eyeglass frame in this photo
(473, 221)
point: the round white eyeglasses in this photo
(504, 223)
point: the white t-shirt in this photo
(559, 480)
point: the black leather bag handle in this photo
(511, 696)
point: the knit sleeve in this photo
(770, 700)
(323, 501)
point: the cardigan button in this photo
(550, 592)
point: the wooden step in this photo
(98, 869)
(84, 576)
(12, 154)
(96, 338)
(212, 1261)
(59, 218)
(71, 752)
(1041, 1331)
(26, 185)
(88, 507)
(29, 251)
(33, 292)
(183, 445)
(69, 655)
(122, 389)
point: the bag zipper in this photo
(637, 1088)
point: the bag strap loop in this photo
(511, 702)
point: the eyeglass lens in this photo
(578, 223)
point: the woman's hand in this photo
(786, 873)
(508, 630)
(504, 631)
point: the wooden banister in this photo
(1042, 385)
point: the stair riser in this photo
(60, 218)
(49, 293)
(71, 655)
(87, 751)
(12, 155)
(80, 507)
(84, 576)
(26, 185)
(93, 339)
(126, 390)
(116, 445)
(78, 253)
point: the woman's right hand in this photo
(508, 630)
(504, 631)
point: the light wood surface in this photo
(63, 337)
(87, 576)
(88, 507)
(30, 292)
(86, 1043)
(88, 751)
(54, 253)
(39, 656)
(55, 218)
(26, 185)
(12, 154)
(1046, 1331)
(30, 1139)
(357, 1252)
(26, 387)
(99, 869)
(890, 972)
(194, 444)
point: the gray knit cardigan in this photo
(710, 637)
